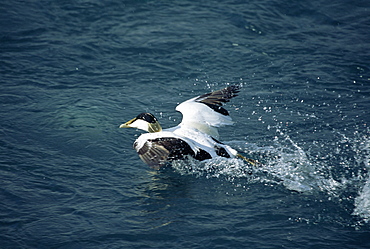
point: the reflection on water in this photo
(159, 195)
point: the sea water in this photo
(72, 71)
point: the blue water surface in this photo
(72, 71)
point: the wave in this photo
(341, 175)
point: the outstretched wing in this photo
(215, 99)
(205, 112)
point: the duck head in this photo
(144, 121)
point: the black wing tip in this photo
(215, 99)
(232, 90)
(227, 93)
(222, 95)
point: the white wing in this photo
(205, 112)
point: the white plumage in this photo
(201, 117)
(196, 135)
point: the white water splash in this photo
(362, 202)
(286, 163)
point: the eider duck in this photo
(195, 136)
